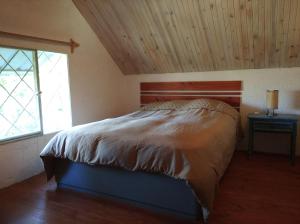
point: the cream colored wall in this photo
(255, 84)
(96, 83)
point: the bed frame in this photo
(154, 191)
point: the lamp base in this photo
(271, 112)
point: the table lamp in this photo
(272, 102)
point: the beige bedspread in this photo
(189, 140)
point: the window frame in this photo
(37, 83)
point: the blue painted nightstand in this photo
(281, 123)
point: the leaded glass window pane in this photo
(54, 83)
(19, 103)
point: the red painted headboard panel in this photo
(227, 91)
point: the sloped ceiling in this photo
(160, 36)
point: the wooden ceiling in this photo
(162, 36)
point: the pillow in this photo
(168, 105)
(213, 105)
(209, 104)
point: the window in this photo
(34, 93)
(54, 84)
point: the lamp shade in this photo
(272, 99)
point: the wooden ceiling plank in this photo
(290, 53)
(175, 53)
(198, 40)
(297, 38)
(241, 11)
(215, 31)
(286, 20)
(157, 23)
(189, 34)
(127, 27)
(278, 28)
(161, 13)
(91, 18)
(178, 16)
(268, 31)
(120, 18)
(244, 33)
(221, 27)
(145, 43)
(219, 31)
(104, 24)
(249, 18)
(209, 32)
(273, 33)
(232, 23)
(161, 44)
(132, 25)
(117, 35)
(261, 35)
(228, 34)
(238, 25)
(159, 9)
(206, 50)
(256, 37)
(193, 36)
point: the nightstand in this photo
(281, 123)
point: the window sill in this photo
(20, 138)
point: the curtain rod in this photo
(72, 44)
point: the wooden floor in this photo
(264, 189)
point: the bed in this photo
(168, 156)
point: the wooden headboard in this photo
(227, 91)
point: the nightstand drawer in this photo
(272, 126)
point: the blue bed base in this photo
(157, 192)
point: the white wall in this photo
(96, 83)
(255, 84)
